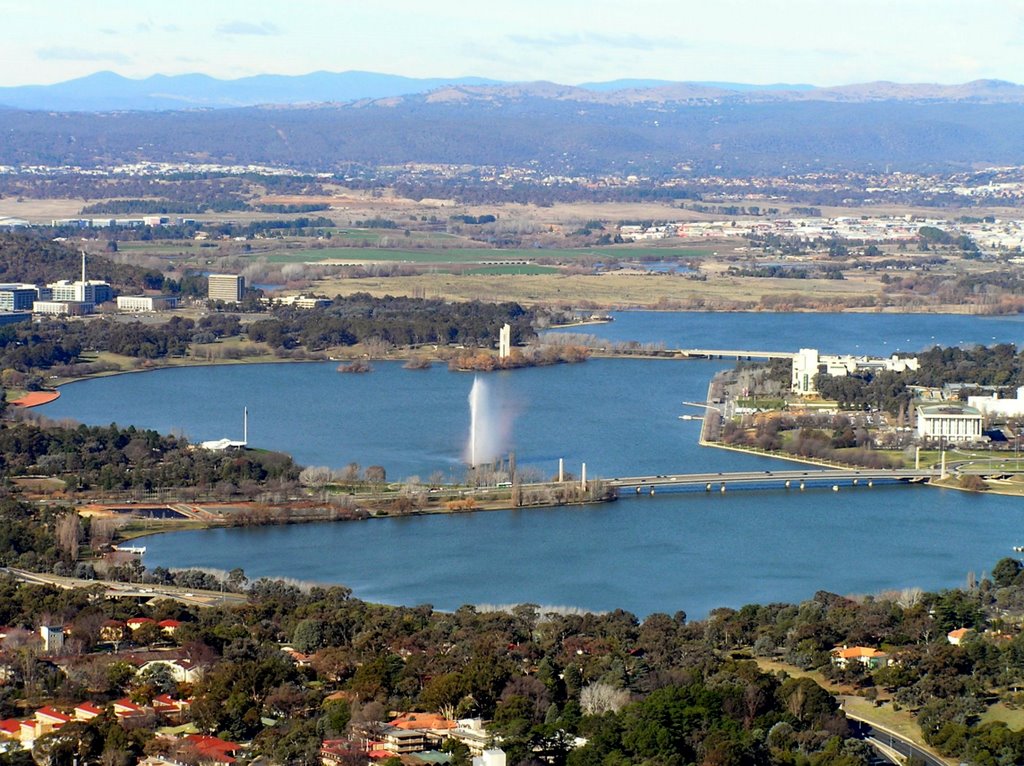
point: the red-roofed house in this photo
(334, 752)
(424, 721)
(28, 731)
(10, 729)
(302, 660)
(48, 720)
(125, 708)
(956, 637)
(87, 711)
(169, 627)
(872, 658)
(137, 622)
(174, 709)
(214, 748)
(112, 630)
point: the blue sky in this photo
(823, 42)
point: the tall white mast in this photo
(245, 425)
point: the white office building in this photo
(990, 406)
(18, 297)
(808, 362)
(142, 303)
(229, 288)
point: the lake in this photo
(674, 551)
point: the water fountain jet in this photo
(486, 430)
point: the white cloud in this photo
(61, 53)
(239, 27)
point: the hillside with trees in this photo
(530, 126)
(34, 259)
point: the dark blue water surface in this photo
(879, 334)
(689, 551)
(673, 551)
(618, 415)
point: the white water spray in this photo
(485, 426)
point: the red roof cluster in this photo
(214, 748)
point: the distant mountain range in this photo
(108, 91)
(326, 121)
(510, 125)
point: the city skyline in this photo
(571, 42)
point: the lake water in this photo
(691, 551)
(688, 551)
(876, 334)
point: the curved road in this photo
(893, 741)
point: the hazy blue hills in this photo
(509, 126)
(329, 121)
(735, 87)
(108, 91)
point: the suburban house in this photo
(843, 656)
(956, 637)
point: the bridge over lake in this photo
(790, 479)
(727, 353)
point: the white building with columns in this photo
(949, 422)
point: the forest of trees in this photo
(663, 689)
(35, 259)
(398, 321)
(980, 366)
(110, 458)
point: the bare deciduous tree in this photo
(69, 532)
(598, 698)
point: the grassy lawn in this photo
(1012, 717)
(605, 290)
(764, 404)
(900, 721)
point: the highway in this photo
(839, 477)
(888, 740)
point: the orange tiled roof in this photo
(856, 652)
(410, 721)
